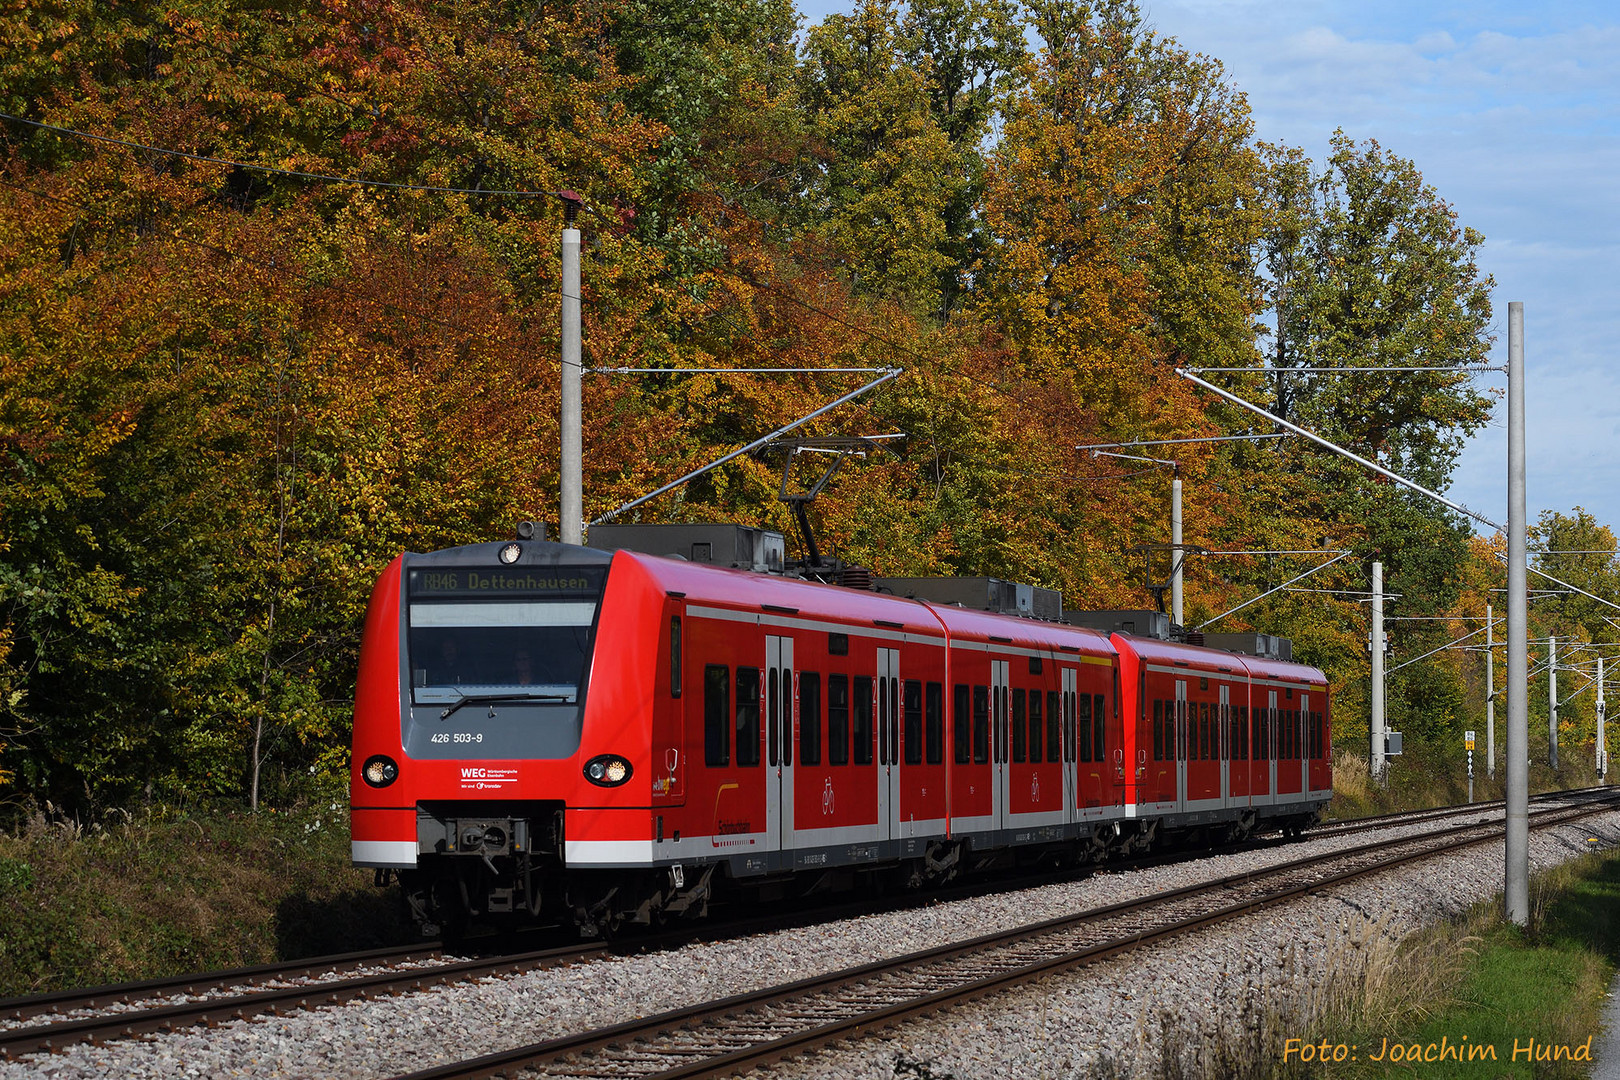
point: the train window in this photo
(960, 732)
(861, 729)
(1034, 665)
(1203, 682)
(1098, 715)
(1068, 725)
(1035, 726)
(998, 724)
(773, 721)
(838, 719)
(748, 716)
(1020, 716)
(787, 716)
(716, 715)
(1054, 721)
(837, 644)
(1203, 731)
(1289, 693)
(1085, 727)
(894, 720)
(935, 736)
(809, 718)
(675, 656)
(913, 748)
(981, 724)
(1240, 733)
(1158, 730)
(883, 715)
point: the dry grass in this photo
(134, 897)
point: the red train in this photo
(547, 730)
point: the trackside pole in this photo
(1602, 734)
(1552, 703)
(1376, 648)
(1175, 549)
(570, 526)
(1490, 697)
(1516, 849)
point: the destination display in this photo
(506, 583)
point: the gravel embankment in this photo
(1189, 1008)
(1065, 1027)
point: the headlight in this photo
(379, 771)
(609, 770)
(511, 553)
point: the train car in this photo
(1224, 744)
(551, 731)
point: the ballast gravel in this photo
(1120, 1017)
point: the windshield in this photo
(526, 646)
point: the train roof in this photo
(1203, 658)
(837, 603)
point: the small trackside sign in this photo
(1468, 740)
(484, 778)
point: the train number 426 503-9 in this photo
(458, 736)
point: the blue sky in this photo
(1512, 112)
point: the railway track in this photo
(216, 997)
(1412, 817)
(747, 1030)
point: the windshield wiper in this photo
(474, 699)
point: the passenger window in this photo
(675, 656)
(935, 701)
(1099, 717)
(748, 716)
(960, 733)
(809, 718)
(1203, 731)
(981, 724)
(1158, 730)
(914, 722)
(1054, 722)
(716, 715)
(838, 719)
(861, 732)
(1035, 726)
(1085, 727)
(1020, 715)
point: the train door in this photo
(1273, 729)
(779, 739)
(999, 671)
(1181, 743)
(888, 735)
(1223, 753)
(1071, 785)
(1302, 742)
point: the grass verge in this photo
(1478, 998)
(171, 893)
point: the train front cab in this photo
(509, 691)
